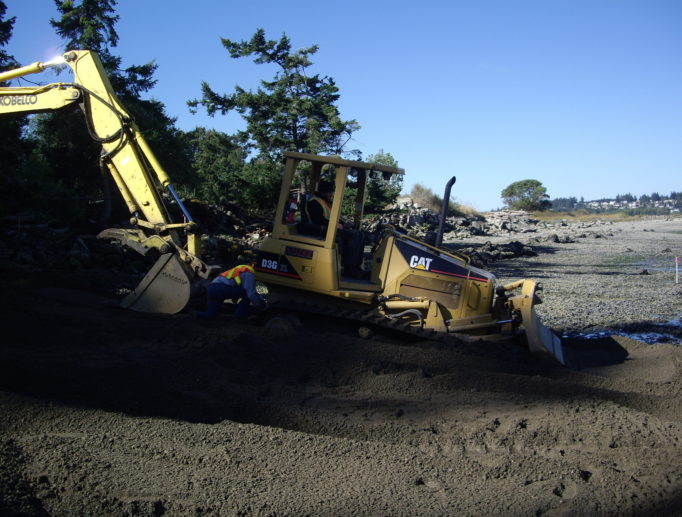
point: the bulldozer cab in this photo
(303, 176)
(303, 250)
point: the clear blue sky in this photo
(582, 95)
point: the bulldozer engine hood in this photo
(426, 259)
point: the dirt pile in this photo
(107, 412)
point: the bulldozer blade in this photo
(165, 289)
(541, 340)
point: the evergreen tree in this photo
(295, 111)
(218, 161)
(12, 149)
(564, 204)
(6, 28)
(11, 125)
(90, 25)
(382, 192)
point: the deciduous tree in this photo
(526, 195)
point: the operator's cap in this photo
(325, 186)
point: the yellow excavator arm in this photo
(135, 171)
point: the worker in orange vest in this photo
(237, 284)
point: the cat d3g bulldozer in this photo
(125, 154)
(409, 285)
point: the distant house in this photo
(671, 204)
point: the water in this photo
(656, 265)
(650, 337)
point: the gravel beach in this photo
(612, 276)
(112, 413)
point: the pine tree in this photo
(295, 111)
(12, 149)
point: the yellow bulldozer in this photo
(406, 284)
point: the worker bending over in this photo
(237, 284)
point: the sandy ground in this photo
(108, 412)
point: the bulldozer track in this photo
(373, 320)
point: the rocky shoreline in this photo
(606, 277)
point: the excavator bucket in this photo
(166, 288)
(541, 340)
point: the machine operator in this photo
(352, 242)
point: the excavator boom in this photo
(135, 171)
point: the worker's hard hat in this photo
(325, 186)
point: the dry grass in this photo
(425, 197)
(466, 210)
(586, 216)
